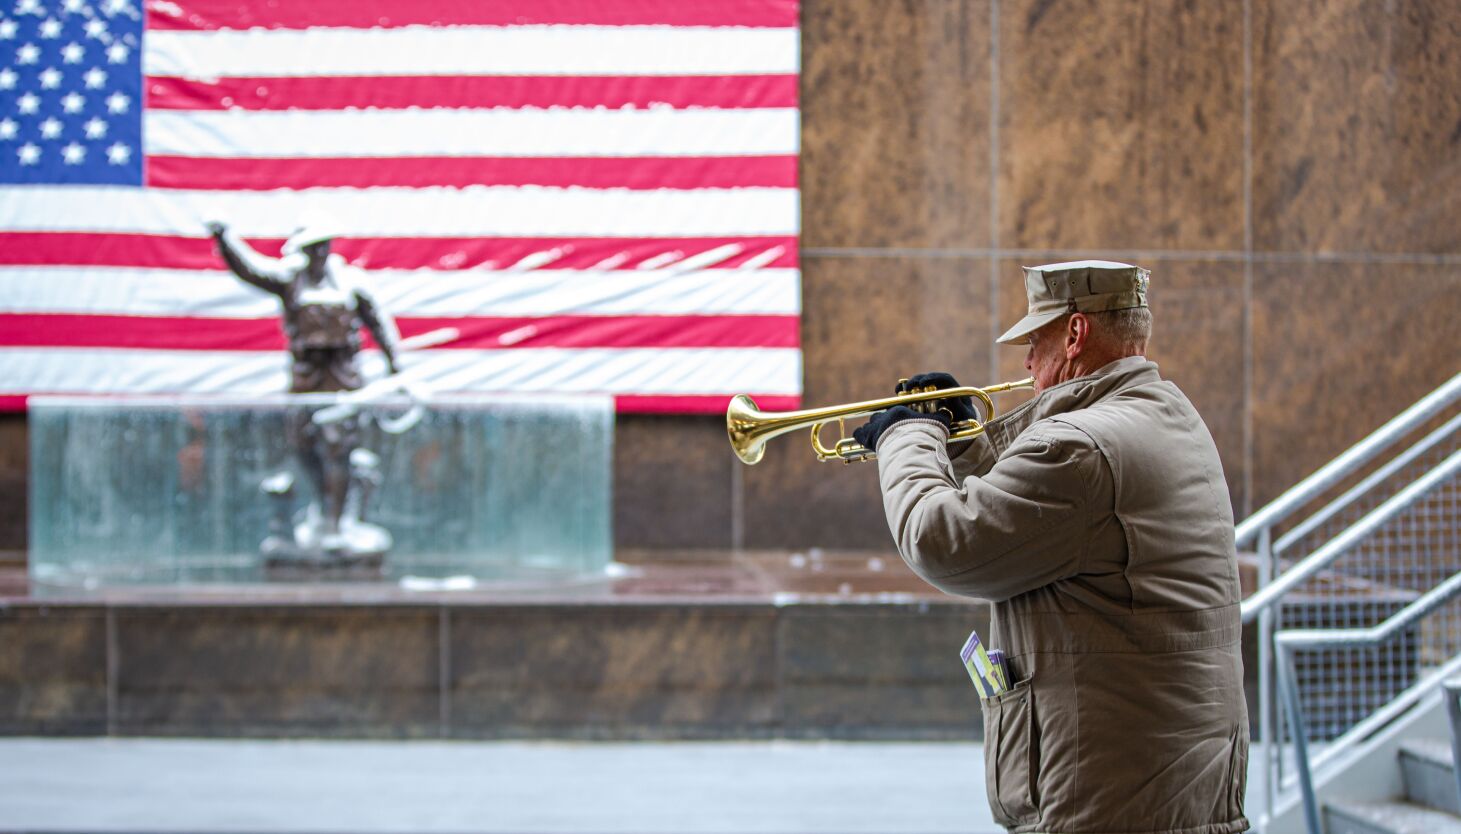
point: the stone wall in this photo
(1287, 169)
(502, 669)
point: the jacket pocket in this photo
(1011, 755)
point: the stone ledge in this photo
(811, 645)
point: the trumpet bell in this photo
(742, 421)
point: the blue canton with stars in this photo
(71, 92)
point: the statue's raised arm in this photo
(266, 273)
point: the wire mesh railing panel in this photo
(1362, 504)
(1414, 551)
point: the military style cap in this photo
(1076, 286)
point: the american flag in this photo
(600, 195)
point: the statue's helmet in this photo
(307, 235)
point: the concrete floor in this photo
(262, 787)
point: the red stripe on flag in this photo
(477, 332)
(697, 404)
(399, 92)
(642, 173)
(624, 404)
(175, 252)
(370, 14)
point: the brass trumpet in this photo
(750, 428)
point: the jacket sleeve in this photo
(972, 457)
(1019, 526)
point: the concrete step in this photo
(1393, 817)
(1429, 773)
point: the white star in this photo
(95, 128)
(8, 77)
(51, 28)
(73, 52)
(51, 128)
(28, 103)
(28, 7)
(72, 102)
(117, 103)
(118, 154)
(94, 78)
(50, 78)
(117, 53)
(29, 154)
(8, 128)
(73, 154)
(95, 28)
(74, 6)
(28, 54)
(8, 28)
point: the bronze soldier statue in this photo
(324, 310)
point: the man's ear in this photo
(1077, 331)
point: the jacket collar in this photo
(1072, 395)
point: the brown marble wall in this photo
(1119, 125)
(14, 460)
(1357, 126)
(1344, 346)
(1356, 184)
(53, 671)
(896, 116)
(1288, 169)
(1289, 173)
(506, 670)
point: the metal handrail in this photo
(1258, 532)
(1290, 642)
(1374, 479)
(1331, 638)
(1342, 543)
(1354, 457)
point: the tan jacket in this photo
(1097, 520)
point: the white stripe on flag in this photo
(494, 132)
(423, 293)
(474, 50)
(526, 211)
(672, 371)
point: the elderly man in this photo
(1097, 521)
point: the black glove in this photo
(961, 408)
(869, 433)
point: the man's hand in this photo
(957, 409)
(216, 228)
(869, 433)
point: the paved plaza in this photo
(261, 787)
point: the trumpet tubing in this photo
(750, 428)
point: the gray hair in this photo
(1126, 331)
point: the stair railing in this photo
(1290, 642)
(1258, 531)
(1453, 714)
